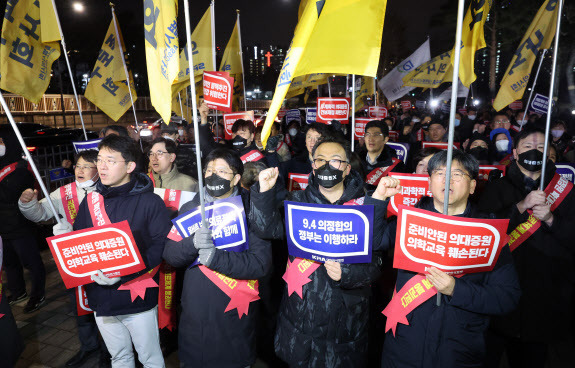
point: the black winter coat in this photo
(545, 261)
(208, 337)
(328, 327)
(452, 335)
(150, 223)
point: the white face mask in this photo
(502, 145)
(181, 132)
(471, 117)
(86, 184)
(293, 132)
(415, 120)
(2, 150)
(556, 133)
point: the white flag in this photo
(392, 84)
(462, 91)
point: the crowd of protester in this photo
(521, 311)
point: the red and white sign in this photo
(455, 245)
(110, 248)
(377, 112)
(413, 187)
(440, 145)
(297, 181)
(281, 114)
(218, 90)
(484, 170)
(252, 156)
(230, 119)
(329, 109)
(405, 105)
(516, 105)
(360, 126)
(462, 111)
(82, 302)
(393, 135)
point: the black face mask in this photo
(216, 186)
(327, 176)
(531, 160)
(480, 153)
(238, 142)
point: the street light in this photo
(78, 7)
(476, 102)
(434, 103)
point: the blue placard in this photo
(86, 145)
(420, 104)
(540, 104)
(329, 232)
(401, 149)
(567, 171)
(310, 115)
(227, 220)
(60, 173)
(293, 114)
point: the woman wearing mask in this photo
(479, 148)
(561, 139)
(501, 144)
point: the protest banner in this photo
(540, 104)
(86, 145)
(230, 119)
(440, 145)
(329, 232)
(82, 302)
(405, 105)
(282, 113)
(218, 90)
(360, 126)
(297, 181)
(455, 245)
(484, 170)
(516, 105)
(567, 171)
(109, 248)
(329, 109)
(377, 112)
(293, 114)
(310, 115)
(401, 150)
(413, 187)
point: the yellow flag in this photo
(431, 73)
(25, 60)
(299, 84)
(107, 87)
(161, 40)
(366, 89)
(202, 53)
(49, 23)
(232, 63)
(539, 36)
(315, 48)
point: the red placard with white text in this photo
(440, 145)
(516, 105)
(455, 245)
(110, 248)
(297, 181)
(336, 108)
(484, 170)
(360, 126)
(413, 187)
(281, 113)
(230, 119)
(405, 105)
(377, 112)
(218, 90)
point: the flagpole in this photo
(347, 86)
(181, 108)
(213, 28)
(29, 158)
(551, 89)
(329, 87)
(128, 80)
(242, 62)
(533, 89)
(453, 108)
(69, 68)
(375, 91)
(353, 112)
(194, 112)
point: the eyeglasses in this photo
(158, 154)
(84, 167)
(218, 170)
(108, 162)
(373, 135)
(456, 175)
(335, 163)
(501, 122)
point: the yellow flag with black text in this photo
(108, 88)
(28, 48)
(432, 73)
(539, 36)
(162, 52)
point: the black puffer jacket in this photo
(545, 261)
(328, 327)
(150, 223)
(208, 336)
(452, 335)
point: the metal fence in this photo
(51, 157)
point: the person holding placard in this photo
(451, 334)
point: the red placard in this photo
(484, 170)
(393, 135)
(329, 109)
(360, 126)
(281, 113)
(413, 187)
(218, 90)
(82, 302)
(516, 105)
(110, 248)
(377, 112)
(440, 145)
(297, 181)
(230, 119)
(462, 111)
(456, 245)
(405, 105)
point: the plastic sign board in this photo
(336, 108)
(413, 187)
(360, 126)
(218, 90)
(86, 145)
(377, 112)
(401, 150)
(230, 119)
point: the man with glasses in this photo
(66, 200)
(124, 194)
(500, 121)
(451, 335)
(380, 159)
(164, 173)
